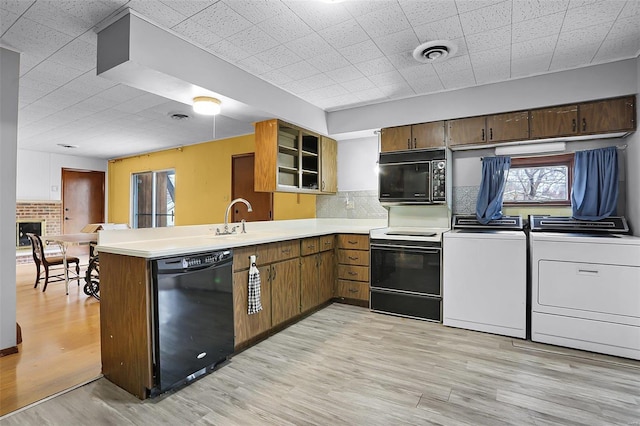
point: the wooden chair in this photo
(41, 260)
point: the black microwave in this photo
(413, 177)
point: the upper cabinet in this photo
(511, 126)
(291, 159)
(610, 115)
(554, 122)
(416, 136)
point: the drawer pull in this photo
(326, 243)
(352, 242)
(353, 290)
(588, 271)
(311, 247)
(286, 251)
(353, 258)
(352, 273)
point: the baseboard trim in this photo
(9, 351)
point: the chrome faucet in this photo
(226, 217)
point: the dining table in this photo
(64, 241)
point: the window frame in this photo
(133, 192)
(542, 161)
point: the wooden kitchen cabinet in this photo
(554, 122)
(290, 159)
(248, 326)
(415, 136)
(511, 126)
(327, 276)
(285, 291)
(317, 271)
(466, 131)
(609, 115)
(353, 268)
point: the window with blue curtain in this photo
(595, 184)
(494, 177)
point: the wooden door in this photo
(553, 122)
(309, 279)
(329, 166)
(242, 186)
(428, 135)
(467, 131)
(285, 291)
(512, 126)
(395, 138)
(612, 115)
(248, 326)
(327, 276)
(82, 199)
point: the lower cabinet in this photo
(285, 291)
(248, 326)
(317, 271)
(353, 267)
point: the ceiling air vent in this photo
(434, 51)
(178, 116)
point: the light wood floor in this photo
(61, 342)
(346, 365)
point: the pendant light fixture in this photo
(206, 105)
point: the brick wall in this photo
(49, 211)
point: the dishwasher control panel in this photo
(196, 261)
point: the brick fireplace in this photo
(31, 215)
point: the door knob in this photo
(66, 218)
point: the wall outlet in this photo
(350, 205)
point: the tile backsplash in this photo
(350, 205)
(464, 199)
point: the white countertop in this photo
(175, 241)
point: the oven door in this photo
(405, 182)
(406, 269)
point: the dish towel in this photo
(254, 288)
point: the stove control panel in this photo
(438, 180)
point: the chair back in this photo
(36, 247)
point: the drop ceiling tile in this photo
(28, 61)
(8, 18)
(221, 20)
(421, 12)
(62, 98)
(358, 85)
(419, 72)
(77, 54)
(361, 52)
(254, 65)
(457, 79)
(486, 58)
(278, 57)
(628, 28)
(309, 46)
(329, 61)
(536, 28)
(426, 85)
(594, 34)
(530, 65)
(28, 95)
(344, 74)
(49, 14)
(285, 26)
(300, 70)
(187, 7)
(492, 73)
(15, 6)
(94, 105)
(252, 40)
(228, 51)
(276, 77)
(592, 14)
(315, 82)
(487, 18)
(632, 8)
(319, 15)
(403, 60)
(397, 42)
(30, 36)
(469, 5)
(258, 10)
(383, 22)
(196, 33)
(613, 49)
(574, 56)
(580, 3)
(397, 90)
(90, 83)
(363, 7)
(454, 65)
(344, 34)
(489, 40)
(338, 102)
(327, 92)
(371, 95)
(53, 73)
(140, 103)
(446, 29)
(120, 93)
(387, 78)
(157, 12)
(537, 47)
(375, 66)
(529, 10)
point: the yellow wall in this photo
(203, 182)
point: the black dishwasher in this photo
(193, 316)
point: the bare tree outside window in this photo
(539, 180)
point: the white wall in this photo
(633, 168)
(357, 160)
(45, 183)
(9, 74)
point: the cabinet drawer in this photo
(353, 257)
(410, 305)
(283, 250)
(327, 242)
(352, 272)
(353, 241)
(352, 290)
(309, 246)
(241, 256)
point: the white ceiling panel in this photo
(334, 56)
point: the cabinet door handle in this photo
(353, 290)
(490, 133)
(274, 274)
(352, 273)
(326, 243)
(573, 125)
(482, 134)
(353, 258)
(415, 143)
(588, 271)
(409, 143)
(584, 124)
(286, 251)
(323, 185)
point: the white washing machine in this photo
(485, 276)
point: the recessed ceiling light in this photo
(434, 51)
(64, 145)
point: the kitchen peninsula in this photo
(296, 261)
